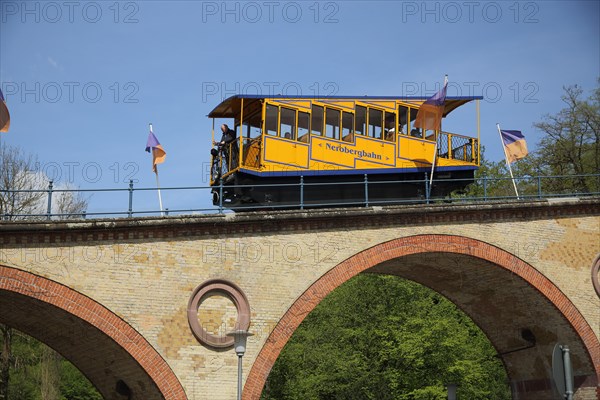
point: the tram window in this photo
(347, 126)
(430, 134)
(303, 126)
(250, 130)
(375, 120)
(360, 120)
(271, 120)
(287, 124)
(317, 120)
(332, 123)
(390, 126)
(403, 116)
(416, 132)
(254, 131)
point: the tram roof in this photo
(230, 107)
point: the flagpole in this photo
(162, 214)
(1, 96)
(435, 147)
(432, 166)
(507, 163)
(158, 184)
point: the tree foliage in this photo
(382, 337)
(39, 373)
(571, 142)
(568, 150)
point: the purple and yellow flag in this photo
(4, 114)
(431, 111)
(514, 145)
(158, 153)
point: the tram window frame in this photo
(347, 131)
(390, 134)
(375, 131)
(412, 130)
(316, 120)
(332, 130)
(254, 129)
(360, 120)
(430, 134)
(252, 123)
(303, 131)
(403, 119)
(249, 128)
(287, 123)
(270, 120)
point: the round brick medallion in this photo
(220, 287)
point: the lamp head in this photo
(240, 337)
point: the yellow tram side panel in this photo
(370, 153)
(285, 152)
(279, 154)
(417, 151)
(283, 158)
(329, 154)
(271, 153)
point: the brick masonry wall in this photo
(144, 270)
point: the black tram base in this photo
(241, 191)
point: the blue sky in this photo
(83, 79)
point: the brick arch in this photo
(102, 345)
(406, 247)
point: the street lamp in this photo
(451, 391)
(239, 343)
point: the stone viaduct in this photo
(142, 305)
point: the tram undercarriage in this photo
(241, 190)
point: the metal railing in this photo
(481, 189)
(457, 147)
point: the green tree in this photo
(50, 374)
(571, 143)
(5, 357)
(39, 373)
(73, 386)
(570, 147)
(382, 337)
(492, 180)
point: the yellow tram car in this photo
(333, 146)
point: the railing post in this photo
(220, 195)
(301, 192)
(130, 212)
(539, 186)
(426, 189)
(49, 209)
(366, 190)
(484, 187)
